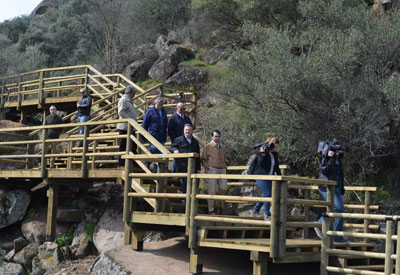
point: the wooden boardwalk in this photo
(284, 239)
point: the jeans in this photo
(154, 150)
(338, 208)
(82, 129)
(265, 187)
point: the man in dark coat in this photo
(176, 123)
(186, 144)
(155, 122)
(53, 133)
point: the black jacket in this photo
(181, 144)
(176, 124)
(263, 164)
(331, 169)
(52, 120)
(84, 106)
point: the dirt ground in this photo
(171, 257)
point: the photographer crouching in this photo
(331, 168)
(265, 163)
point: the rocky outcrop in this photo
(81, 244)
(12, 268)
(109, 232)
(42, 7)
(26, 255)
(13, 206)
(162, 45)
(106, 265)
(19, 244)
(48, 257)
(143, 58)
(189, 78)
(70, 215)
(168, 63)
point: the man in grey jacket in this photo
(126, 109)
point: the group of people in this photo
(179, 128)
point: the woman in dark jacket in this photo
(266, 163)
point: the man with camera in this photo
(265, 163)
(331, 168)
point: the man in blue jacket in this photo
(155, 122)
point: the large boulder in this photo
(34, 226)
(8, 235)
(43, 6)
(70, 215)
(143, 58)
(168, 63)
(13, 206)
(81, 244)
(189, 78)
(48, 257)
(106, 265)
(12, 268)
(26, 255)
(109, 232)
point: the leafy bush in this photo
(329, 78)
(66, 238)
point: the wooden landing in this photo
(106, 173)
(47, 101)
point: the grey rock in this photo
(10, 255)
(106, 265)
(214, 55)
(34, 228)
(26, 255)
(12, 268)
(189, 78)
(175, 37)
(143, 58)
(49, 256)
(154, 237)
(81, 244)
(109, 232)
(13, 206)
(168, 63)
(19, 244)
(70, 215)
(162, 45)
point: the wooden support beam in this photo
(196, 263)
(260, 262)
(52, 195)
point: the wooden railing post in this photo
(30, 161)
(127, 188)
(389, 248)
(274, 234)
(95, 142)
(367, 204)
(84, 167)
(306, 231)
(283, 188)
(325, 245)
(196, 265)
(41, 91)
(86, 78)
(190, 169)
(69, 159)
(397, 266)
(43, 157)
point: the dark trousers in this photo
(122, 147)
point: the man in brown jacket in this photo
(214, 161)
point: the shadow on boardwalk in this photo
(172, 257)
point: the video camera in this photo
(267, 146)
(325, 146)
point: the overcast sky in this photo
(13, 8)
